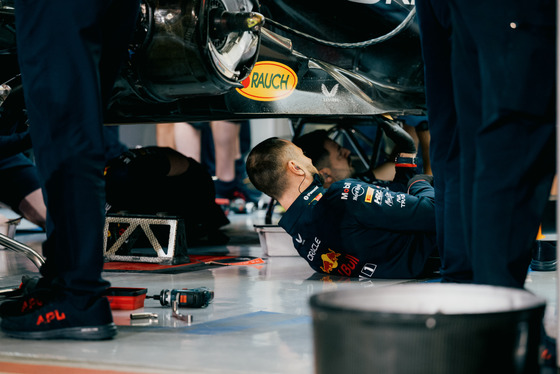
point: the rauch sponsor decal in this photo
(269, 81)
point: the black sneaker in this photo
(240, 203)
(543, 256)
(242, 199)
(548, 351)
(44, 314)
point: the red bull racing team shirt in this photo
(358, 229)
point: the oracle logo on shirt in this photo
(313, 250)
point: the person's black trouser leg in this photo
(60, 48)
(503, 59)
(434, 22)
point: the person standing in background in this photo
(69, 53)
(490, 85)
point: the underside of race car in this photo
(233, 59)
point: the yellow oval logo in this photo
(269, 81)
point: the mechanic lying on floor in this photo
(333, 161)
(353, 228)
(147, 180)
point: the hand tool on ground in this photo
(187, 298)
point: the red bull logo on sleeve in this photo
(317, 198)
(330, 261)
(349, 263)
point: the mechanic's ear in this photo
(295, 168)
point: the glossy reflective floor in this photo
(258, 322)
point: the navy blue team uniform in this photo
(490, 87)
(358, 229)
(70, 53)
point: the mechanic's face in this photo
(339, 160)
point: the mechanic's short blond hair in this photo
(267, 164)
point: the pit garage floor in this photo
(258, 322)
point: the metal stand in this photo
(18, 247)
(144, 238)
